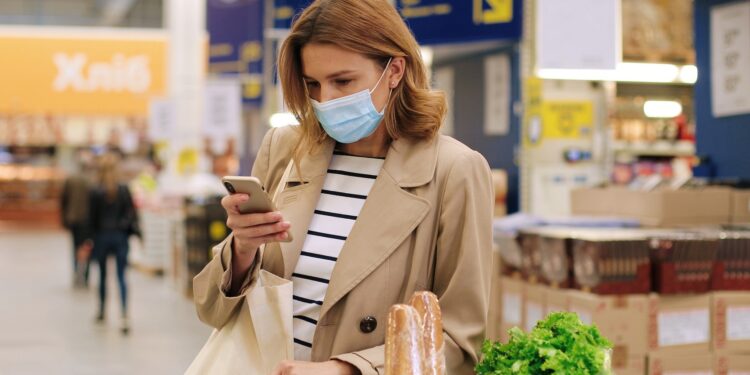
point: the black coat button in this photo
(368, 324)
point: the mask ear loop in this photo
(382, 75)
(390, 90)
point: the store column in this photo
(186, 24)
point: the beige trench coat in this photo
(426, 225)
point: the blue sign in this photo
(454, 21)
(286, 10)
(236, 35)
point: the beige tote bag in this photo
(255, 339)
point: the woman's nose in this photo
(326, 94)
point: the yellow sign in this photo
(498, 11)
(82, 73)
(567, 119)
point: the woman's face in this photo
(331, 72)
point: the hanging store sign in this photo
(285, 10)
(454, 21)
(236, 33)
(81, 72)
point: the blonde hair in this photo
(109, 175)
(374, 29)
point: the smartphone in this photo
(259, 201)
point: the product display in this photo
(612, 262)
(683, 262)
(731, 269)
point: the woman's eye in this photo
(343, 82)
(312, 84)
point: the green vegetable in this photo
(559, 344)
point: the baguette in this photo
(428, 308)
(403, 342)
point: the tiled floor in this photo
(47, 327)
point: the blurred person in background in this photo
(74, 208)
(378, 203)
(113, 220)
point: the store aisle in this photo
(46, 327)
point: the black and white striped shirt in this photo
(346, 187)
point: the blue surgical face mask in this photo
(350, 118)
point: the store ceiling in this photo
(109, 13)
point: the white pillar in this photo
(185, 21)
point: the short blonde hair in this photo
(374, 29)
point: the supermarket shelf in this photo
(658, 148)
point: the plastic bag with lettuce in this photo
(559, 344)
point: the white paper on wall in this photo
(444, 80)
(730, 59)
(497, 80)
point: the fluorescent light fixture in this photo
(689, 74)
(282, 119)
(427, 55)
(628, 72)
(662, 108)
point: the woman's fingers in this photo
(238, 221)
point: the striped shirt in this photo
(345, 190)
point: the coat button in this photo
(368, 324)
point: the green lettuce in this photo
(559, 344)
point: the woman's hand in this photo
(333, 367)
(252, 230)
(249, 232)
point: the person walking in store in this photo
(378, 204)
(74, 209)
(113, 220)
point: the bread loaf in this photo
(404, 347)
(428, 308)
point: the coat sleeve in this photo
(462, 268)
(210, 287)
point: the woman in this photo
(377, 204)
(113, 220)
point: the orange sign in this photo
(89, 72)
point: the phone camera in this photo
(229, 187)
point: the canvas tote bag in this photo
(256, 338)
(259, 335)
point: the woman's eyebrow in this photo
(332, 75)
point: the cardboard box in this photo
(731, 364)
(623, 320)
(557, 300)
(513, 293)
(731, 321)
(740, 206)
(634, 365)
(660, 208)
(660, 363)
(680, 324)
(534, 305)
(595, 201)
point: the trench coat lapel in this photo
(388, 217)
(297, 205)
